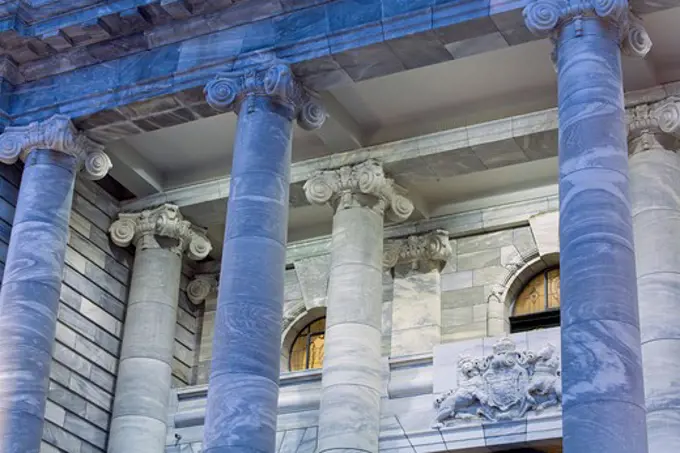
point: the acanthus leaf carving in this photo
(427, 250)
(141, 229)
(276, 81)
(362, 184)
(57, 134)
(504, 385)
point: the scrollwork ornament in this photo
(312, 115)
(278, 81)
(542, 16)
(429, 250)
(318, 189)
(636, 41)
(142, 229)
(200, 288)
(614, 10)
(668, 115)
(401, 208)
(123, 231)
(97, 165)
(56, 134)
(221, 92)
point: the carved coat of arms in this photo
(503, 385)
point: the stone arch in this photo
(295, 320)
(502, 297)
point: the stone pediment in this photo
(503, 385)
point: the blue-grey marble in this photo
(603, 404)
(29, 297)
(244, 379)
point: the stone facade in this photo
(91, 322)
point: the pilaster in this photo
(416, 305)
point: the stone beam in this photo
(327, 43)
(340, 132)
(133, 171)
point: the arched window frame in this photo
(546, 318)
(308, 335)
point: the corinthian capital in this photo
(427, 250)
(653, 125)
(142, 229)
(546, 17)
(56, 134)
(362, 184)
(277, 82)
(200, 287)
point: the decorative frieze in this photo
(201, 287)
(364, 184)
(652, 125)
(504, 385)
(142, 229)
(227, 91)
(421, 251)
(57, 134)
(545, 18)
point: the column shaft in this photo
(244, 377)
(349, 416)
(29, 298)
(655, 192)
(603, 406)
(145, 367)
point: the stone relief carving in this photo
(201, 286)
(425, 250)
(363, 184)
(504, 385)
(653, 125)
(57, 134)
(227, 92)
(142, 228)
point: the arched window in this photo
(538, 304)
(306, 353)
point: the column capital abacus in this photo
(167, 221)
(653, 126)
(364, 184)
(424, 251)
(57, 134)
(228, 90)
(546, 17)
(200, 287)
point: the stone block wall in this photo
(478, 264)
(91, 320)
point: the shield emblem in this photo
(506, 386)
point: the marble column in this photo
(416, 304)
(349, 414)
(603, 407)
(244, 377)
(161, 237)
(53, 153)
(655, 193)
